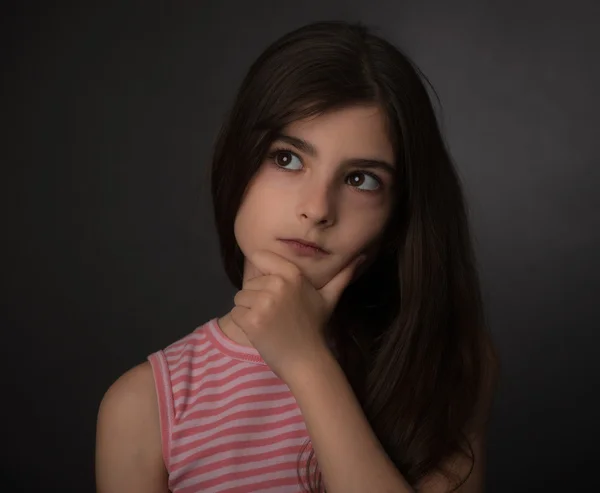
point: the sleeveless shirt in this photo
(228, 423)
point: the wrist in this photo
(315, 368)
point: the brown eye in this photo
(285, 159)
(359, 178)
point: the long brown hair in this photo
(410, 333)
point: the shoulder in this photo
(128, 439)
(133, 389)
(191, 344)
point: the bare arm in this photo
(128, 441)
(348, 451)
(460, 466)
(349, 454)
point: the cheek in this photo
(258, 212)
(246, 223)
(363, 229)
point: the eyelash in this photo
(273, 154)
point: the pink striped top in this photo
(228, 423)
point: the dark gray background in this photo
(110, 251)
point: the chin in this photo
(318, 280)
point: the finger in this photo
(239, 315)
(332, 291)
(246, 298)
(271, 282)
(268, 262)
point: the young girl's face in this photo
(312, 187)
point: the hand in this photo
(283, 315)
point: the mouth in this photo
(306, 246)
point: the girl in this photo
(357, 336)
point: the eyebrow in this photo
(311, 150)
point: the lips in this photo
(306, 243)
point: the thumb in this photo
(332, 291)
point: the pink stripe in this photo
(252, 487)
(240, 445)
(241, 475)
(201, 383)
(197, 411)
(188, 350)
(181, 370)
(238, 389)
(246, 459)
(165, 404)
(200, 380)
(241, 385)
(272, 412)
(185, 345)
(234, 430)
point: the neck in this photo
(233, 331)
(226, 323)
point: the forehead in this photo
(356, 130)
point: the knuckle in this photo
(296, 276)
(268, 301)
(254, 321)
(278, 283)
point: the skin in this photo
(319, 203)
(285, 297)
(321, 199)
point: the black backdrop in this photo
(110, 253)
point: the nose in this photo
(316, 204)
